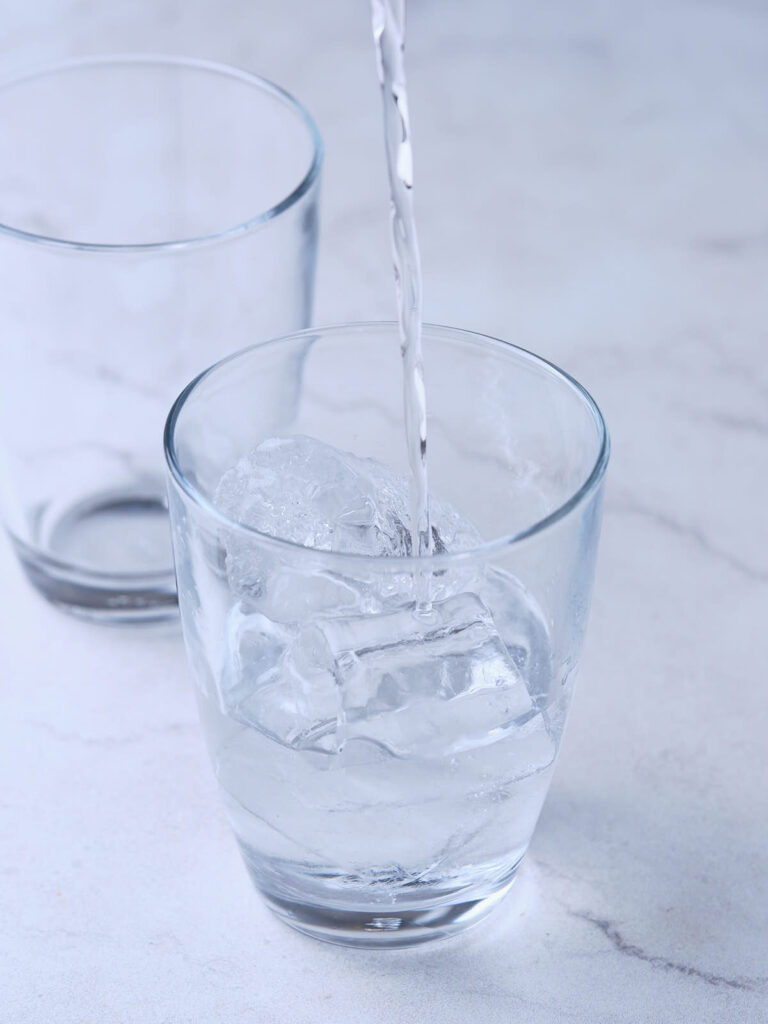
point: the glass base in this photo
(384, 929)
(106, 558)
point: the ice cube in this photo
(300, 711)
(262, 683)
(423, 683)
(307, 492)
(291, 594)
(302, 490)
(522, 626)
(319, 657)
(253, 646)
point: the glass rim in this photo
(264, 85)
(399, 563)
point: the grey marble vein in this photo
(738, 423)
(631, 507)
(83, 365)
(111, 742)
(734, 245)
(621, 945)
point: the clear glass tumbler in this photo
(155, 214)
(383, 728)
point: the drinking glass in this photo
(155, 214)
(383, 728)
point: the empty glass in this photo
(155, 214)
(383, 728)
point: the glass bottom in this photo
(106, 558)
(384, 929)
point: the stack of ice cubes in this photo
(321, 653)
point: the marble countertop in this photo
(591, 184)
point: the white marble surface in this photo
(592, 184)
